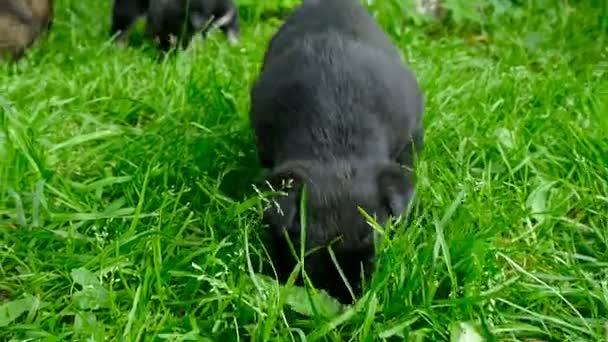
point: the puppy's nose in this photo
(369, 264)
(369, 239)
(373, 239)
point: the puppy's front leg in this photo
(227, 20)
(232, 30)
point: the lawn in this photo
(127, 210)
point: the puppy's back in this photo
(331, 77)
(345, 17)
(42, 13)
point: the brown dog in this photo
(21, 23)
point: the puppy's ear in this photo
(396, 189)
(289, 176)
(283, 213)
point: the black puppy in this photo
(335, 109)
(171, 20)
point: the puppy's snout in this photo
(368, 238)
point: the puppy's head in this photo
(334, 223)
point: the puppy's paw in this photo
(121, 42)
(233, 37)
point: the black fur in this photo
(124, 14)
(337, 110)
(176, 19)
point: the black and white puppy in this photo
(336, 110)
(170, 21)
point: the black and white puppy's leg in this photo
(124, 14)
(229, 24)
(165, 21)
(224, 16)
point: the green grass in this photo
(127, 211)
